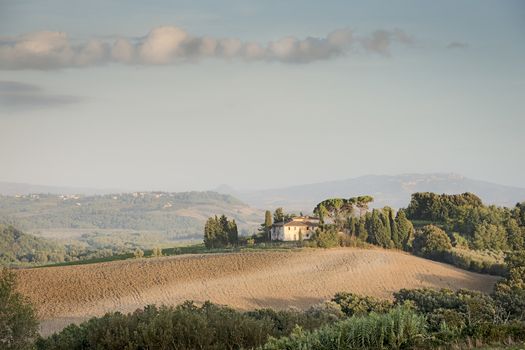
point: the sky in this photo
(185, 95)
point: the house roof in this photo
(297, 223)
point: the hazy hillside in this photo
(16, 247)
(175, 215)
(394, 191)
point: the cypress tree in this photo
(362, 233)
(233, 234)
(321, 213)
(385, 218)
(394, 231)
(353, 223)
(267, 224)
(210, 231)
(515, 234)
(278, 215)
(377, 231)
(224, 227)
(405, 230)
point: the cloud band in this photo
(170, 44)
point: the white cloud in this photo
(170, 44)
(230, 47)
(123, 51)
(162, 45)
(207, 46)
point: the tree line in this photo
(469, 222)
(457, 229)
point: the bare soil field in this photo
(277, 279)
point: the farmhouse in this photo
(298, 228)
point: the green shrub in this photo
(188, 326)
(346, 240)
(510, 292)
(138, 253)
(184, 327)
(327, 238)
(353, 304)
(400, 328)
(474, 260)
(458, 241)
(285, 321)
(431, 241)
(477, 310)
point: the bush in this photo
(18, 324)
(477, 261)
(327, 238)
(346, 240)
(431, 241)
(184, 327)
(285, 321)
(353, 304)
(458, 241)
(156, 252)
(475, 309)
(188, 326)
(510, 292)
(138, 253)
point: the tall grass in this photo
(400, 328)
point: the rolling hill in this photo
(277, 279)
(172, 215)
(391, 190)
(16, 246)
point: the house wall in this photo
(291, 233)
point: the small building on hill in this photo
(298, 228)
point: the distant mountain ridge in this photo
(391, 190)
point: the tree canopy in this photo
(220, 232)
(340, 209)
(18, 323)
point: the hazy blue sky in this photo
(176, 95)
